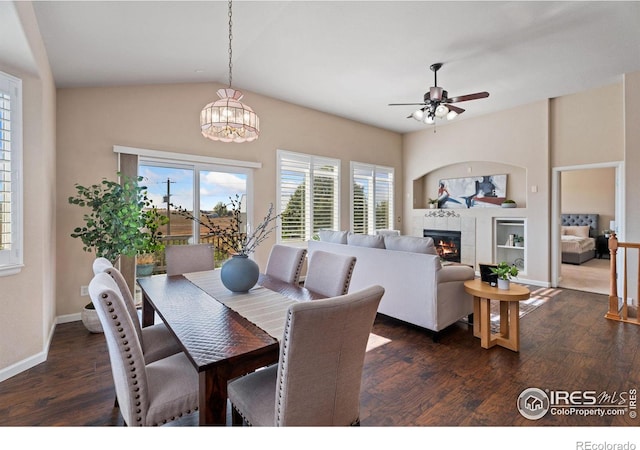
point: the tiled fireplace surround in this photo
(449, 220)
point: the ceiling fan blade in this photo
(406, 104)
(455, 108)
(464, 98)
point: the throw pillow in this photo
(410, 244)
(365, 240)
(335, 237)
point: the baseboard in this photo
(31, 361)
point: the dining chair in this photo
(329, 274)
(189, 258)
(156, 340)
(285, 263)
(318, 377)
(148, 394)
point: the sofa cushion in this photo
(410, 244)
(335, 237)
(388, 232)
(365, 240)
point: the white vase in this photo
(91, 320)
(503, 284)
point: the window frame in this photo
(312, 161)
(12, 261)
(375, 169)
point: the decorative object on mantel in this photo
(433, 203)
(509, 204)
(437, 104)
(228, 119)
(505, 272)
(239, 273)
(442, 213)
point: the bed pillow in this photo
(335, 237)
(580, 231)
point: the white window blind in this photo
(10, 179)
(308, 195)
(372, 198)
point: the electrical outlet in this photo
(84, 291)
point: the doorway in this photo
(587, 189)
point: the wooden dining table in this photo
(221, 343)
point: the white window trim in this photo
(13, 262)
(279, 154)
(374, 168)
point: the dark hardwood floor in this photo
(566, 345)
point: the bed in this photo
(578, 237)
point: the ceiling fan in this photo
(437, 103)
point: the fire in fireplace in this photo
(447, 243)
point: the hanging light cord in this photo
(230, 39)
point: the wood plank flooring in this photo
(566, 344)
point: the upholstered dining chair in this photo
(189, 258)
(156, 340)
(285, 263)
(329, 274)
(318, 377)
(148, 394)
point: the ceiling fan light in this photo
(418, 115)
(429, 119)
(451, 115)
(441, 111)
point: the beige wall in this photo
(92, 120)
(589, 191)
(580, 134)
(515, 141)
(28, 298)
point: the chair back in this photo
(101, 264)
(321, 359)
(125, 349)
(285, 263)
(189, 258)
(329, 274)
(125, 293)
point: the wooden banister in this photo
(615, 312)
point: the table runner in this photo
(265, 308)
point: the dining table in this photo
(224, 334)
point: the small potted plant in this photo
(508, 203)
(505, 272)
(433, 203)
(518, 241)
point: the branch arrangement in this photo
(232, 236)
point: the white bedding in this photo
(577, 244)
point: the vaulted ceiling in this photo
(349, 58)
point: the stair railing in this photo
(616, 311)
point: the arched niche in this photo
(426, 186)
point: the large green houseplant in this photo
(121, 220)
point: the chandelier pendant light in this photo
(228, 119)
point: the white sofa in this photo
(418, 289)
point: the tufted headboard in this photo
(582, 220)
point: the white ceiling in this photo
(349, 58)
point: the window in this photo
(308, 195)
(371, 198)
(10, 175)
(194, 187)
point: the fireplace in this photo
(448, 243)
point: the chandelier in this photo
(228, 119)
